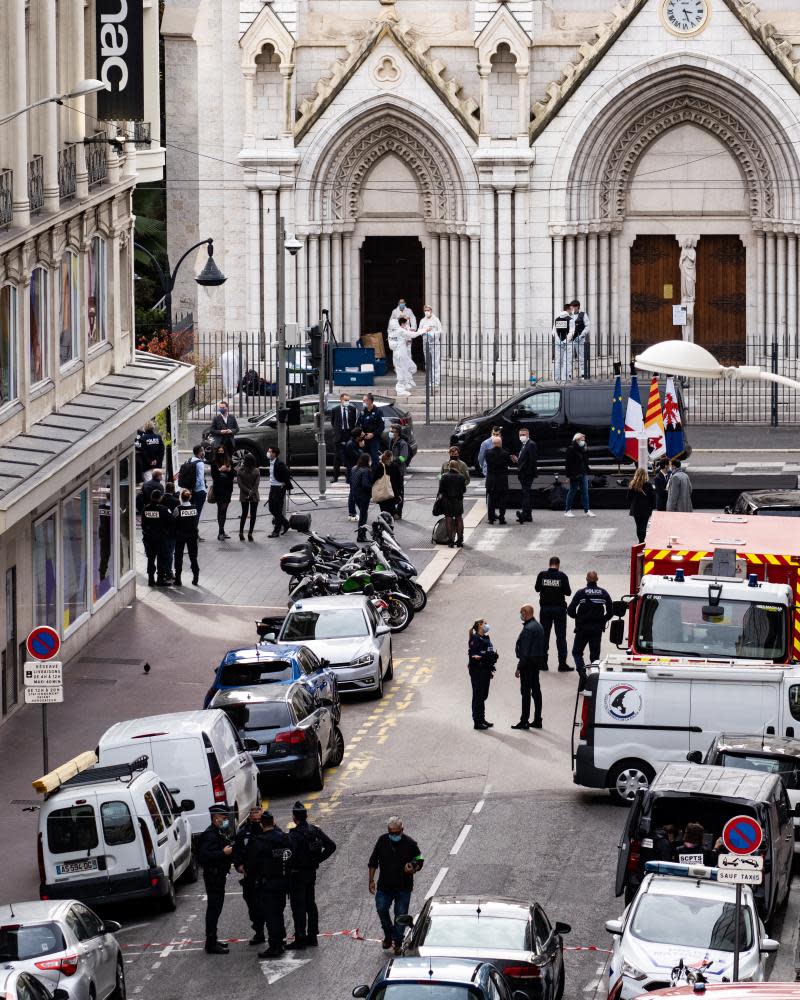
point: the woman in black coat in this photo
(482, 660)
(452, 487)
(223, 478)
(387, 466)
(361, 490)
(642, 501)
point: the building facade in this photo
(493, 157)
(72, 388)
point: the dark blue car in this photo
(275, 663)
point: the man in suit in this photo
(279, 485)
(343, 420)
(224, 428)
(527, 461)
(497, 460)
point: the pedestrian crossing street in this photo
(498, 537)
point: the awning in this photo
(37, 465)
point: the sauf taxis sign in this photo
(120, 60)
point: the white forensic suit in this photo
(430, 329)
(400, 346)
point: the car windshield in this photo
(258, 672)
(19, 943)
(426, 991)
(780, 511)
(672, 624)
(468, 930)
(689, 922)
(786, 767)
(263, 715)
(305, 625)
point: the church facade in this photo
(494, 158)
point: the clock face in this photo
(685, 17)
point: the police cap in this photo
(299, 809)
(220, 810)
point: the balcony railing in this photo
(141, 135)
(67, 173)
(6, 197)
(36, 184)
(96, 165)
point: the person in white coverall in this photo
(430, 329)
(400, 335)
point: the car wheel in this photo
(389, 675)
(243, 450)
(337, 753)
(120, 992)
(169, 903)
(317, 782)
(192, 873)
(626, 778)
(379, 692)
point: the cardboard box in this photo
(375, 341)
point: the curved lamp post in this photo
(81, 90)
(682, 357)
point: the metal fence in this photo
(482, 376)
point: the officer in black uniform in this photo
(591, 609)
(245, 834)
(214, 850)
(187, 530)
(370, 420)
(152, 448)
(310, 847)
(268, 860)
(156, 523)
(553, 589)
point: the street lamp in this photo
(291, 245)
(81, 90)
(682, 357)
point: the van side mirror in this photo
(619, 609)
(616, 631)
(111, 927)
(614, 926)
(796, 810)
(694, 757)
(60, 994)
(768, 944)
(405, 920)
(562, 928)
(361, 991)
(383, 629)
(187, 805)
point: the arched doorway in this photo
(390, 267)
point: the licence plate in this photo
(70, 867)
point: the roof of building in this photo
(52, 450)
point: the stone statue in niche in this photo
(688, 268)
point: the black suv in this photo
(774, 503)
(553, 412)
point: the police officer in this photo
(152, 449)
(268, 859)
(156, 522)
(553, 589)
(370, 420)
(529, 651)
(171, 501)
(591, 609)
(245, 834)
(310, 847)
(187, 527)
(214, 850)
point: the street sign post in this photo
(43, 675)
(742, 836)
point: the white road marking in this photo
(156, 965)
(599, 539)
(591, 986)
(479, 805)
(544, 538)
(461, 838)
(436, 883)
(166, 951)
(276, 968)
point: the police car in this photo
(682, 912)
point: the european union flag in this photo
(616, 437)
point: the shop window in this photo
(73, 520)
(124, 507)
(102, 535)
(68, 310)
(97, 297)
(8, 343)
(39, 309)
(44, 571)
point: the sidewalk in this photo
(182, 633)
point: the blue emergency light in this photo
(681, 871)
(752, 580)
(679, 575)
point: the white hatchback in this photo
(674, 917)
(65, 945)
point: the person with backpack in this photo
(310, 847)
(192, 477)
(591, 609)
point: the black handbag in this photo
(438, 506)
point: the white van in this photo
(112, 834)
(199, 755)
(636, 714)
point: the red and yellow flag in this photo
(654, 422)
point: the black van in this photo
(553, 412)
(696, 793)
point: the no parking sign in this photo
(742, 835)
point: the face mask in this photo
(485, 629)
(401, 306)
(523, 438)
(428, 313)
(581, 444)
(270, 457)
(395, 837)
(523, 619)
(225, 824)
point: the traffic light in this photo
(314, 335)
(291, 415)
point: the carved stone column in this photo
(350, 329)
(18, 129)
(484, 72)
(523, 102)
(557, 294)
(254, 270)
(287, 71)
(336, 281)
(269, 268)
(791, 296)
(580, 269)
(504, 261)
(522, 313)
(592, 303)
(444, 286)
(474, 293)
(48, 52)
(603, 325)
(249, 100)
(455, 316)
(302, 286)
(312, 244)
(463, 287)
(433, 289)
(760, 331)
(570, 281)
(615, 320)
(781, 249)
(488, 266)
(325, 273)
(770, 275)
